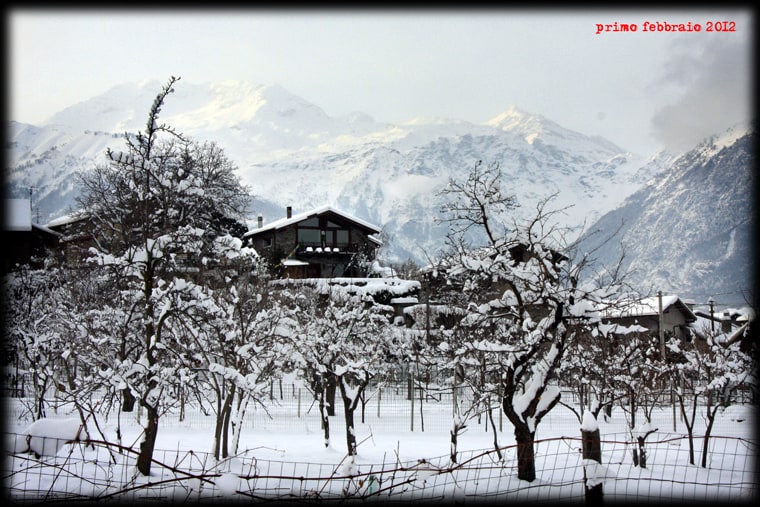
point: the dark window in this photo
(308, 235)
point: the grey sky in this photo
(640, 90)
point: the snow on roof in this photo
(398, 287)
(65, 219)
(646, 306)
(294, 262)
(284, 222)
(18, 215)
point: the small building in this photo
(645, 312)
(77, 236)
(724, 321)
(24, 242)
(320, 243)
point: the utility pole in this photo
(661, 326)
(711, 302)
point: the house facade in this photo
(645, 312)
(76, 237)
(320, 243)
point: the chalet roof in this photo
(648, 306)
(66, 220)
(322, 210)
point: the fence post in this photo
(299, 402)
(454, 394)
(501, 410)
(379, 399)
(411, 407)
(592, 451)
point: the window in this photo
(308, 235)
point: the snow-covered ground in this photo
(414, 464)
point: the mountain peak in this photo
(524, 124)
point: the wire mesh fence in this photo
(415, 405)
(103, 470)
(97, 470)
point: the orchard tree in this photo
(65, 338)
(711, 367)
(156, 209)
(523, 291)
(241, 346)
(33, 301)
(344, 337)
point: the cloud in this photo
(713, 91)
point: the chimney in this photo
(261, 221)
(289, 212)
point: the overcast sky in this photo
(641, 90)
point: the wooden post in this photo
(454, 393)
(379, 398)
(299, 402)
(661, 326)
(592, 451)
(411, 406)
(501, 410)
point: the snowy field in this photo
(283, 455)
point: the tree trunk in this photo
(324, 418)
(526, 458)
(456, 427)
(330, 388)
(495, 434)
(236, 421)
(350, 431)
(222, 420)
(127, 400)
(349, 407)
(708, 431)
(145, 457)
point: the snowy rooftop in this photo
(64, 220)
(284, 222)
(396, 286)
(646, 306)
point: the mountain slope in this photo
(290, 153)
(690, 230)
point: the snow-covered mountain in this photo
(290, 153)
(690, 230)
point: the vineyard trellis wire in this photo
(89, 470)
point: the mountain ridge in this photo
(689, 230)
(291, 153)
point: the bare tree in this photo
(346, 338)
(523, 291)
(708, 369)
(156, 208)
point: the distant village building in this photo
(677, 316)
(320, 243)
(77, 237)
(24, 242)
